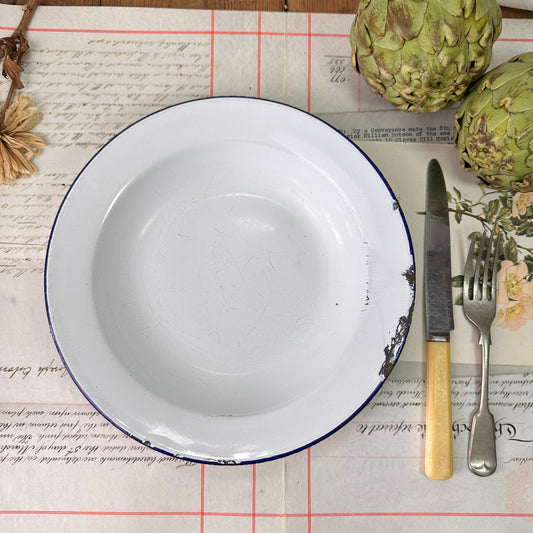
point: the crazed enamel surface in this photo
(225, 277)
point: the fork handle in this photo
(482, 444)
(439, 443)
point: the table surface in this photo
(306, 6)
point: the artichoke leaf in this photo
(368, 66)
(406, 17)
(489, 27)
(486, 6)
(427, 42)
(476, 105)
(496, 122)
(520, 128)
(361, 43)
(462, 81)
(468, 8)
(460, 58)
(529, 159)
(411, 58)
(454, 7)
(431, 38)
(387, 61)
(451, 35)
(522, 104)
(514, 96)
(519, 161)
(390, 41)
(477, 60)
(450, 55)
(526, 57)
(502, 76)
(374, 16)
(488, 35)
(442, 27)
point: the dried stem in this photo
(20, 35)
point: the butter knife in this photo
(439, 323)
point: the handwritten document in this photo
(94, 71)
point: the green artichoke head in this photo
(494, 126)
(421, 55)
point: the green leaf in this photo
(494, 206)
(529, 231)
(458, 299)
(504, 212)
(457, 281)
(510, 250)
(506, 224)
(528, 260)
(489, 215)
(506, 201)
(457, 193)
(458, 216)
(523, 228)
(474, 235)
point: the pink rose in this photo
(511, 282)
(521, 201)
(515, 314)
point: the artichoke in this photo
(494, 126)
(421, 55)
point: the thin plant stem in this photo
(20, 32)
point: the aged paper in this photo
(64, 465)
(94, 71)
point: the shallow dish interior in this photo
(226, 278)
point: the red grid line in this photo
(46, 403)
(269, 515)
(309, 515)
(305, 34)
(212, 52)
(309, 62)
(254, 491)
(258, 57)
(97, 30)
(511, 40)
(202, 498)
(210, 32)
(179, 32)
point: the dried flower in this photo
(14, 50)
(17, 144)
(11, 70)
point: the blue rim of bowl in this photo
(231, 461)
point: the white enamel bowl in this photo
(229, 280)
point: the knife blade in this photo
(439, 323)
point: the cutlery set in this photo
(479, 306)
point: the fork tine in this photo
(495, 267)
(475, 294)
(485, 284)
(469, 270)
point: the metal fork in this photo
(479, 305)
